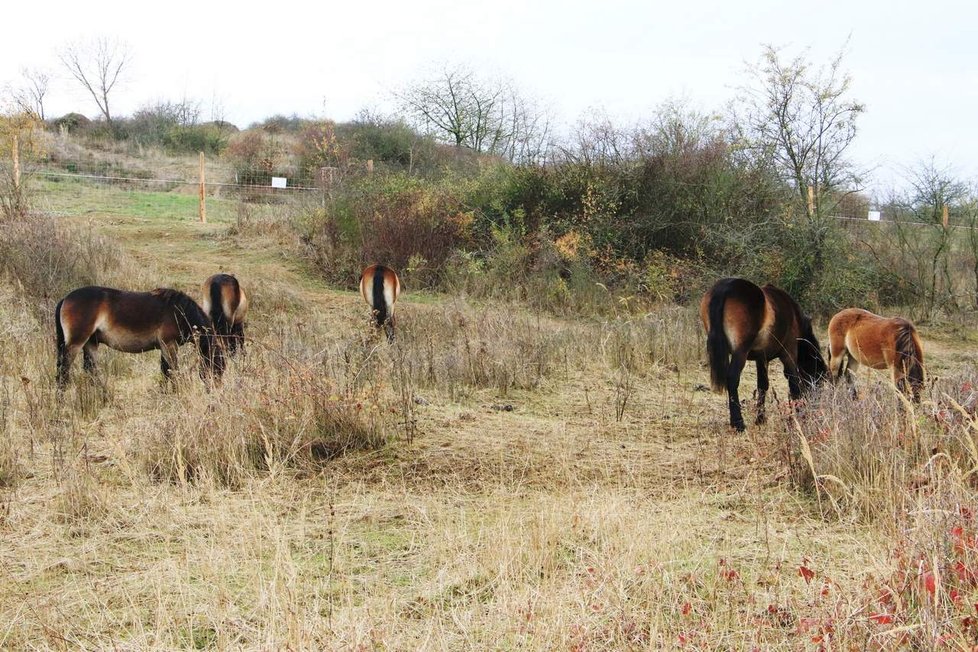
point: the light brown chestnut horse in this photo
(859, 337)
(226, 303)
(380, 288)
(132, 322)
(746, 322)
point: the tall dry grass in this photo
(264, 417)
(909, 471)
(321, 496)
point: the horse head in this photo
(194, 324)
(811, 363)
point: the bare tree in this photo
(970, 209)
(597, 142)
(530, 127)
(29, 97)
(933, 190)
(98, 65)
(489, 116)
(802, 120)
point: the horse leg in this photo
(737, 361)
(168, 359)
(89, 355)
(837, 359)
(236, 341)
(66, 355)
(389, 329)
(900, 380)
(849, 364)
(792, 376)
(762, 386)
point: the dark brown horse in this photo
(859, 337)
(380, 288)
(226, 304)
(745, 322)
(132, 322)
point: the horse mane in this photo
(185, 305)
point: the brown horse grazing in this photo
(132, 322)
(745, 322)
(226, 304)
(380, 288)
(859, 337)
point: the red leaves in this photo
(955, 596)
(728, 574)
(881, 618)
(929, 581)
(806, 573)
(965, 574)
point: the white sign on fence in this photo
(874, 216)
(279, 182)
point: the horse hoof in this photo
(739, 427)
(760, 420)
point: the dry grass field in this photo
(496, 479)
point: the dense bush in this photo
(660, 224)
(278, 124)
(71, 122)
(398, 220)
(256, 156)
(381, 140)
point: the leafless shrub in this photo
(49, 258)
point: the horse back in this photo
(128, 321)
(785, 322)
(873, 340)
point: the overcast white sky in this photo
(914, 64)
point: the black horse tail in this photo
(60, 330)
(379, 300)
(717, 346)
(911, 358)
(62, 344)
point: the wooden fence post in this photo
(811, 201)
(944, 215)
(16, 154)
(203, 202)
(370, 166)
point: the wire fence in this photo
(122, 185)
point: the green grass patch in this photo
(76, 197)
